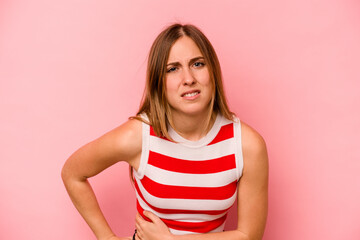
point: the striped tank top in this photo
(190, 185)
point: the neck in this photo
(193, 127)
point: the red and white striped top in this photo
(190, 185)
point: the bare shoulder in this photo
(251, 139)
(131, 129)
(126, 139)
(254, 147)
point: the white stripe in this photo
(238, 153)
(226, 121)
(145, 150)
(186, 217)
(190, 180)
(179, 232)
(186, 204)
(175, 150)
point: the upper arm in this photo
(120, 144)
(253, 185)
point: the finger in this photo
(152, 217)
(138, 218)
(139, 235)
(138, 227)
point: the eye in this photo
(172, 69)
(199, 64)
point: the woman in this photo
(190, 157)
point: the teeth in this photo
(191, 94)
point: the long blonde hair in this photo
(154, 103)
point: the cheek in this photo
(170, 90)
(208, 83)
(211, 88)
(204, 77)
(171, 84)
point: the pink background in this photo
(72, 70)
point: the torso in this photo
(190, 185)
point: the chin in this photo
(195, 112)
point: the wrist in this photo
(171, 237)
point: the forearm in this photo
(85, 202)
(227, 235)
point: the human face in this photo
(188, 84)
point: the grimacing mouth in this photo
(190, 93)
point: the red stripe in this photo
(184, 192)
(141, 210)
(198, 227)
(152, 133)
(226, 132)
(175, 211)
(188, 166)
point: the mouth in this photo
(191, 93)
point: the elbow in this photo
(64, 174)
(69, 175)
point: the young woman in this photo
(190, 157)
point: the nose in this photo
(188, 77)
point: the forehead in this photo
(184, 49)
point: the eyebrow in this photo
(191, 61)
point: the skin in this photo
(187, 71)
(92, 159)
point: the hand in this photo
(154, 230)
